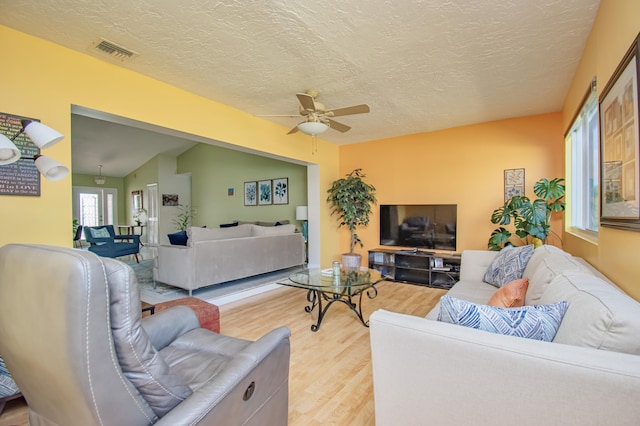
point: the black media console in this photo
(430, 268)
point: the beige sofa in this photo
(431, 372)
(218, 255)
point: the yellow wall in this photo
(463, 166)
(616, 26)
(72, 78)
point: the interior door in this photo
(95, 206)
(152, 222)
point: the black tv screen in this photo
(422, 226)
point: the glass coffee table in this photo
(322, 286)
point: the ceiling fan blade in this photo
(356, 109)
(306, 101)
(338, 126)
(292, 131)
(278, 115)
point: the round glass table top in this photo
(324, 279)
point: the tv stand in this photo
(429, 268)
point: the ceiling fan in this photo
(317, 118)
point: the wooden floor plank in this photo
(330, 379)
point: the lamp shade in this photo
(50, 168)
(41, 135)
(301, 213)
(9, 153)
(312, 128)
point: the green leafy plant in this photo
(75, 225)
(351, 199)
(531, 219)
(184, 218)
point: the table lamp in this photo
(301, 214)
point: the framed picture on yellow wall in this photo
(619, 145)
(513, 183)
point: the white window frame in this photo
(583, 149)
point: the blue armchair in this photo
(104, 242)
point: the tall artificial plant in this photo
(531, 219)
(351, 199)
(183, 220)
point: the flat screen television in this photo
(422, 226)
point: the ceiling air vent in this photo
(112, 50)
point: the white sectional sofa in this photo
(430, 372)
(218, 255)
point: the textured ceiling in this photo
(421, 65)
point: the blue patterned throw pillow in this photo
(508, 265)
(7, 385)
(540, 322)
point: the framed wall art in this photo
(264, 192)
(281, 191)
(170, 200)
(250, 193)
(619, 145)
(513, 183)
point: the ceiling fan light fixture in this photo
(312, 128)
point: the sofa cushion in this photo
(276, 223)
(178, 238)
(257, 230)
(547, 267)
(469, 290)
(600, 315)
(207, 234)
(510, 295)
(508, 265)
(140, 361)
(533, 322)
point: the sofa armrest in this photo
(474, 264)
(175, 265)
(265, 363)
(166, 326)
(428, 372)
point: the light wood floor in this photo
(330, 379)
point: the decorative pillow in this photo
(228, 225)
(178, 238)
(508, 265)
(510, 295)
(538, 322)
(100, 233)
(7, 385)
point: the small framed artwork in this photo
(250, 193)
(230, 192)
(281, 191)
(619, 145)
(170, 199)
(513, 183)
(264, 193)
(511, 191)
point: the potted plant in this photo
(531, 219)
(183, 220)
(351, 199)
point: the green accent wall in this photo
(214, 170)
(137, 181)
(111, 182)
